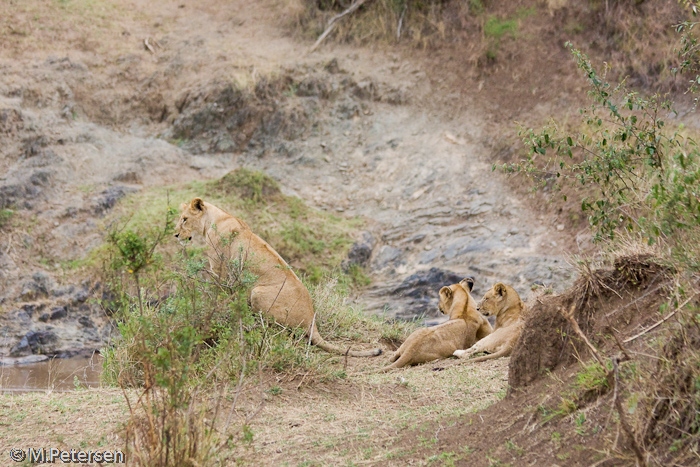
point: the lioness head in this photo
(494, 301)
(190, 219)
(447, 293)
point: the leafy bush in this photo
(642, 175)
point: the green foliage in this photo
(250, 185)
(641, 175)
(592, 377)
(5, 216)
(497, 28)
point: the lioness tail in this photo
(321, 343)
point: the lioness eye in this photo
(184, 219)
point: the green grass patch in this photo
(5, 217)
(313, 242)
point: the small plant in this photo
(5, 216)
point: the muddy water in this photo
(52, 375)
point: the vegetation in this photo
(640, 175)
(184, 332)
(5, 217)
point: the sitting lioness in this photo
(503, 302)
(277, 290)
(462, 330)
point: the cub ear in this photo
(197, 204)
(183, 206)
(500, 289)
(467, 283)
(446, 293)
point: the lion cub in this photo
(503, 302)
(462, 330)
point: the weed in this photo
(5, 217)
(592, 377)
(514, 448)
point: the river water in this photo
(58, 375)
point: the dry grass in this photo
(85, 419)
(363, 420)
(303, 421)
(28, 26)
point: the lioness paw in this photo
(459, 353)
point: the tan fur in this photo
(461, 331)
(503, 302)
(277, 290)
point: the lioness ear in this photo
(197, 204)
(467, 283)
(446, 292)
(500, 289)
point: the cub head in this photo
(495, 300)
(449, 293)
(191, 219)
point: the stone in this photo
(86, 321)
(361, 251)
(421, 291)
(109, 197)
(386, 256)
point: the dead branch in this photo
(570, 316)
(623, 420)
(332, 23)
(656, 325)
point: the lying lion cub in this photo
(503, 302)
(277, 290)
(462, 330)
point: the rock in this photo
(58, 312)
(39, 286)
(21, 349)
(86, 321)
(560, 227)
(60, 291)
(386, 256)
(22, 186)
(35, 342)
(422, 290)
(109, 197)
(23, 316)
(361, 250)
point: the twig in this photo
(311, 334)
(654, 326)
(398, 29)
(148, 46)
(331, 24)
(570, 316)
(345, 365)
(623, 420)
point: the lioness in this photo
(503, 302)
(277, 290)
(462, 330)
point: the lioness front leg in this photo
(466, 353)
